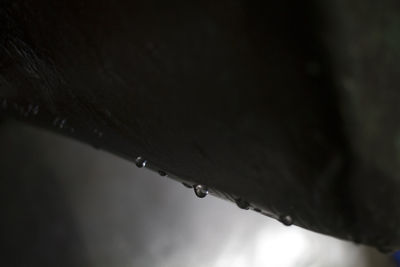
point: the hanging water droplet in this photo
(286, 220)
(98, 133)
(62, 123)
(140, 162)
(162, 173)
(58, 122)
(187, 185)
(242, 204)
(201, 191)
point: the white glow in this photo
(270, 247)
(279, 248)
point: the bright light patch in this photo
(270, 247)
(280, 248)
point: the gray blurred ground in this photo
(67, 204)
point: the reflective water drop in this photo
(162, 173)
(140, 162)
(98, 133)
(242, 204)
(286, 220)
(201, 191)
(187, 185)
(62, 123)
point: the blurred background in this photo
(65, 203)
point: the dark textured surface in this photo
(236, 95)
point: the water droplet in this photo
(162, 173)
(286, 220)
(98, 133)
(242, 204)
(187, 185)
(140, 162)
(201, 191)
(62, 123)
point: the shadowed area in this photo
(38, 224)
